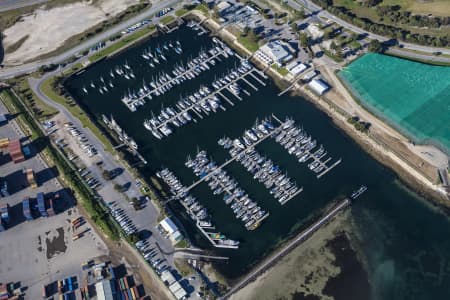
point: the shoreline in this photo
(416, 180)
(368, 145)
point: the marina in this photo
(242, 149)
(196, 211)
(244, 209)
(297, 142)
(164, 82)
(204, 101)
(385, 217)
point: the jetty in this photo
(299, 239)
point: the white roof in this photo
(276, 50)
(319, 86)
(167, 277)
(103, 289)
(292, 65)
(175, 287)
(180, 294)
(298, 69)
(310, 74)
(176, 236)
(223, 5)
(168, 225)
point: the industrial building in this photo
(319, 86)
(277, 51)
(171, 229)
(295, 68)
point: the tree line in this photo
(383, 29)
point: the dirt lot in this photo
(52, 27)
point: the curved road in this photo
(33, 66)
(319, 11)
(6, 5)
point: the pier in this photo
(299, 239)
(193, 185)
(317, 159)
(173, 80)
(218, 92)
(244, 208)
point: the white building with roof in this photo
(171, 229)
(104, 290)
(319, 86)
(277, 51)
(223, 7)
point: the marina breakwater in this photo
(399, 233)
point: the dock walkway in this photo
(216, 92)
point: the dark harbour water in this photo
(403, 240)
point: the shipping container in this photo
(129, 294)
(26, 209)
(125, 281)
(30, 178)
(125, 295)
(136, 292)
(4, 142)
(41, 204)
(4, 212)
(50, 210)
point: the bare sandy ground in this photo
(306, 269)
(48, 29)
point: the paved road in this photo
(31, 67)
(313, 8)
(6, 5)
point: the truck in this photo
(41, 204)
(26, 209)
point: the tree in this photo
(304, 39)
(375, 46)
(118, 187)
(136, 203)
(106, 175)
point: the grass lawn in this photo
(76, 111)
(281, 70)
(127, 39)
(181, 12)
(203, 8)
(39, 108)
(167, 19)
(248, 44)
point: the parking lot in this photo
(156, 248)
(39, 251)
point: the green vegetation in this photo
(183, 267)
(336, 56)
(40, 110)
(181, 12)
(281, 70)
(167, 19)
(391, 21)
(52, 88)
(249, 39)
(182, 244)
(359, 125)
(128, 39)
(375, 46)
(90, 202)
(304, 39)
(203, 8)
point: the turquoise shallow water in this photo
(413, 97)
